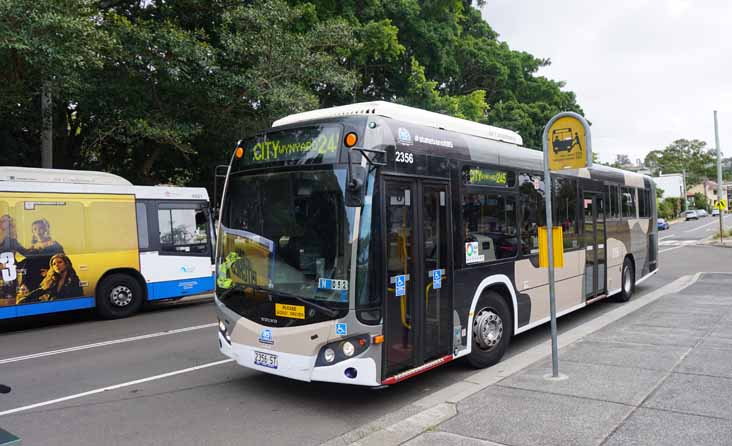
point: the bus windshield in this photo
(288, 232)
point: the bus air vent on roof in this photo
(406, 114)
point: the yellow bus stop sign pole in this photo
(567, 145)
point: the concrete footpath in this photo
(655, 371)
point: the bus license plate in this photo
(265, 359)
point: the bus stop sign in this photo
(567, 140)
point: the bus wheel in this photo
(492, 330)
(628, 282)
(119, 295)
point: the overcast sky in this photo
(646, 72)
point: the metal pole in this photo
(719, 178)
(47, 127)
(683, 195)
(550, 251)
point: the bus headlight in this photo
(335, 352)
(222, 327)
(348, 349)
(329, 355)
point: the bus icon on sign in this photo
(564, 141)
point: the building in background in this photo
(708, 188)
(671, 184)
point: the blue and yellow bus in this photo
(75, 239)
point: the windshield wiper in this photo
(237, 287)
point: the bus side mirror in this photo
(356, 186)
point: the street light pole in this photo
(719, 178)
(683, 195)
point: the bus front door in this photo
(418, 296)
(594, 236)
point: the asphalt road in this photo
(134, 382)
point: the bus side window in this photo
(533, 211)
(628, 202)
(565, 210)
(143, 240)
(183, 231)
(612, 205)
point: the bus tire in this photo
(491, 332)
(118, 296)
(627, 282)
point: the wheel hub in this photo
(120, 296)
(626, 283)
(487, 329)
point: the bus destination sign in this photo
(316, 144)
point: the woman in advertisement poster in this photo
(38, 256)
(61, 282)
(9, 246)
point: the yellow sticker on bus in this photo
(291, 311)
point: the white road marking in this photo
(114, 387)
(670, 249)
(678, 242)
(105, 343)
(716, 221)
(666, 237)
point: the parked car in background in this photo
(701, 212)
(662, 224)
(715, 212)
(691, 215)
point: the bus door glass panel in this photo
(436, 273)
(594, 236)
(401, 279)
(600, 239)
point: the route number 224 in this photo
(404, 157)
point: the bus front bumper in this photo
(302, 367)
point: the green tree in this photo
(693, 156)
(45, 42)
(159, 92)
(700, 201)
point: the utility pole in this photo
(683, 194)
(719, 178)
(47, 127)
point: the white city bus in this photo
(368, 243)
(77, 239)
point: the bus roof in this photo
(24, 179)
(38, 175)
(406, 114)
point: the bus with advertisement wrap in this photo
(368, 243)
(77, 239)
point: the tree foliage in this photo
(691, 156)
(160, 91)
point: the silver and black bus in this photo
(368, 243)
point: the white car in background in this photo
(701, 212)
(715, 212)
(691, 215)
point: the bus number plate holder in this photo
(265, 359)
